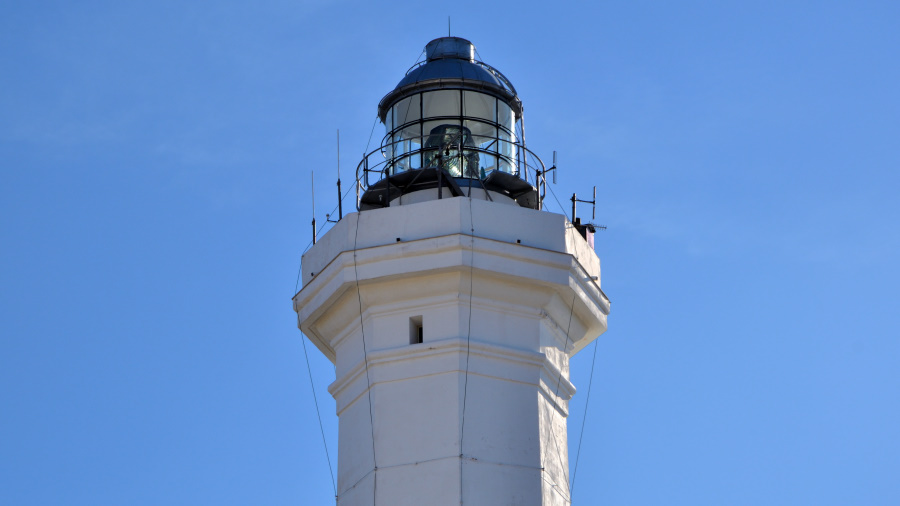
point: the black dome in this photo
(449, 69)
(450, 63)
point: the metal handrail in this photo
(499, 75)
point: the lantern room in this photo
(452, 124)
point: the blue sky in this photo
(154, 168)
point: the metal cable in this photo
(556, 394)
(556, 488)
(318, 415)
(370, 135)
(583, 420)
(462, 428)
(366, 361)
(561, 208)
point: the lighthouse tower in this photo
(451, 303)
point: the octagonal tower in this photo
(451, 303)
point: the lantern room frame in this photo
(452, 122)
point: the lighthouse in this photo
(451, 302)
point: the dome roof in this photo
(448, 68)
(450, 62)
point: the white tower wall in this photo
(505, 295)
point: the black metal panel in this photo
(384, 191)
(513, 187)
(449, 69)
(450, 47)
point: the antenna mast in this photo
(313, 187)
(541, 180)
(340, 204)
(592, 202)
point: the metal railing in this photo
(377, 165)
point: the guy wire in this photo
(561, 208)
(551, 432)
(366, 362)
(366, 152)
(318, 415)
(462, 428)
(587, 403)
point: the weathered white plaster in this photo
(505, 296)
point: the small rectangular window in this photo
(416, 331)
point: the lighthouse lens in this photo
(445, 149)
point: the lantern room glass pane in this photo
(506, 148)
(415, 159)
(436, 136)
(386, 149)
(388, 122)
(506, 118)
(480, 129)
(406, 110)
(484, 138)
(410, 141)
(479, 105)
(441, 103)
(406, 141)
(400, 162)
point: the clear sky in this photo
(154, 168)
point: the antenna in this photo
(313, 188)
(592, 202)
(448, 26)
(340, 204)
(541, 180)
(574, 200)
(554, 167)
